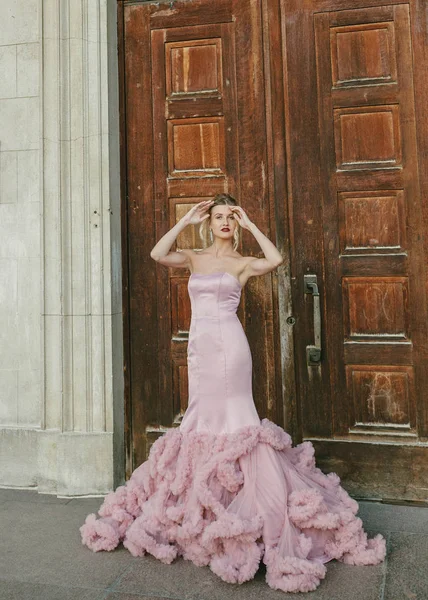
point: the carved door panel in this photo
(195, 126)
(355, 189)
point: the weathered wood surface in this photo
(313, 115)
(192, 131)
(355, 193)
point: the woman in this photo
(226, 489)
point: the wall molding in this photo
(81, 265)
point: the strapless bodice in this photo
(218, 358)
(214, 295)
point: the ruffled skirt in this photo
(231, 500)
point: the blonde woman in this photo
(225, 489)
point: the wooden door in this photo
(193, 107)
(357, 164)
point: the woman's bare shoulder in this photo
(194, 256)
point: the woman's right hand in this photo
(197, 213)
(162, 254)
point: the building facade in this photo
(61, 367)
(116, 116)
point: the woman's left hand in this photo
(241, 217)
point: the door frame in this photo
(124, 241)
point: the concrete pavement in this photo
(42, 558)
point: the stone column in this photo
(81, 439)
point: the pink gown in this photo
(226, 489)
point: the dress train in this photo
(226, 489)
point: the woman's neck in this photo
(221, 248)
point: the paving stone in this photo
(10, 495)
(407, 573)
(91, 504)
(348, 582)
(119, 596)
(183, 580)
(16, 590)
(178, 580)
(41, 543)
(41, 556)
(382, 518)
(342, 582)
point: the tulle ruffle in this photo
(231, 500)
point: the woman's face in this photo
(223, 222)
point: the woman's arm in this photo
(272, 259)
(161, 252)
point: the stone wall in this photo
(19, 215)
(61, 388)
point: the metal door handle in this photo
(313, 352)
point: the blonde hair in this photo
(219, 200)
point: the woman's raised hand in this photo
(197, 213)
(162, 251)
(241, 216)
